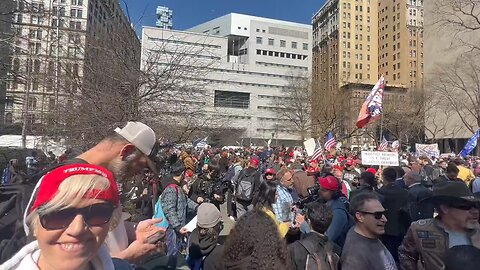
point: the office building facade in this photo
(251, 61)
(49, 45)
(354, 43)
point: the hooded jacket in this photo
(208, 247)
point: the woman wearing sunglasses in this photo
(69, 215)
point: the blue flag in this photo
(472, 143)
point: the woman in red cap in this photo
(69, 215)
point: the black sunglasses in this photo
(465, 206)
(376, 215)
(94, 215)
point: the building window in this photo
(8, 118)
(51, 104)
(77, 2)
(76, 13)
(271, 41)
(294, 45)
(305, 46)
(283, 43)
(259, 40)
(32, 103)
(229, 99)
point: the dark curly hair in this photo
(255, 244)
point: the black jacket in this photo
(419, 209)
(207, 247)
(396, 204)
(298, 253)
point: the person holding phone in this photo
(70, 214)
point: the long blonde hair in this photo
(70, 193)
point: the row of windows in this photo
(283, 43)
(175, 41)
(280, 65)
(282, 54)
(240, 83)
(186, 54)
(47, 85)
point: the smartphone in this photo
(154, 238)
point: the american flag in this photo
(318, 151)
(330, 142)
(383, 145)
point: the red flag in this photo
(372, 107)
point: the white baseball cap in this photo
(143, 137)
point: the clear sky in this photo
(188, 13)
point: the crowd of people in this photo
(124, 205)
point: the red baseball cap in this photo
(349, 162)
(51, 181)
(372, 170)
(254, 161)
(270, 171)
(314, 161)
(329, 183)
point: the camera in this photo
(312, 196)
(218, 187)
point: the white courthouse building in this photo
(250, 61)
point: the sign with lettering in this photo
(379, 158)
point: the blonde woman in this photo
(69, 215)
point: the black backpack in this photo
(245, 186)
(320, 259)
(13, 202)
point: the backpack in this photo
(320, 259)
(158, 212)
(245, 185)
(14, 199)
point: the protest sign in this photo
(309, 146)
(379, 158)
(429, 150)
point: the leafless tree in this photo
(329, 111)
(295, 105)
(404, 115)
(461, 17)
(459, 86)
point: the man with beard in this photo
(350, 175)
(126, 153)
(428, 240)
(363, 249)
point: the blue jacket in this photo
(342, 221)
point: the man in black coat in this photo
(396, 203)
(419, 209)
(318, 217)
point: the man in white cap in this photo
(126, 153)
(204, 251)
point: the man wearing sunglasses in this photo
(428, 240)
(363, 249)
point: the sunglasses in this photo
(376, 215)
(465, 206)
(94, 215)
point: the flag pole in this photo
(381, 128)
(381, 120)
